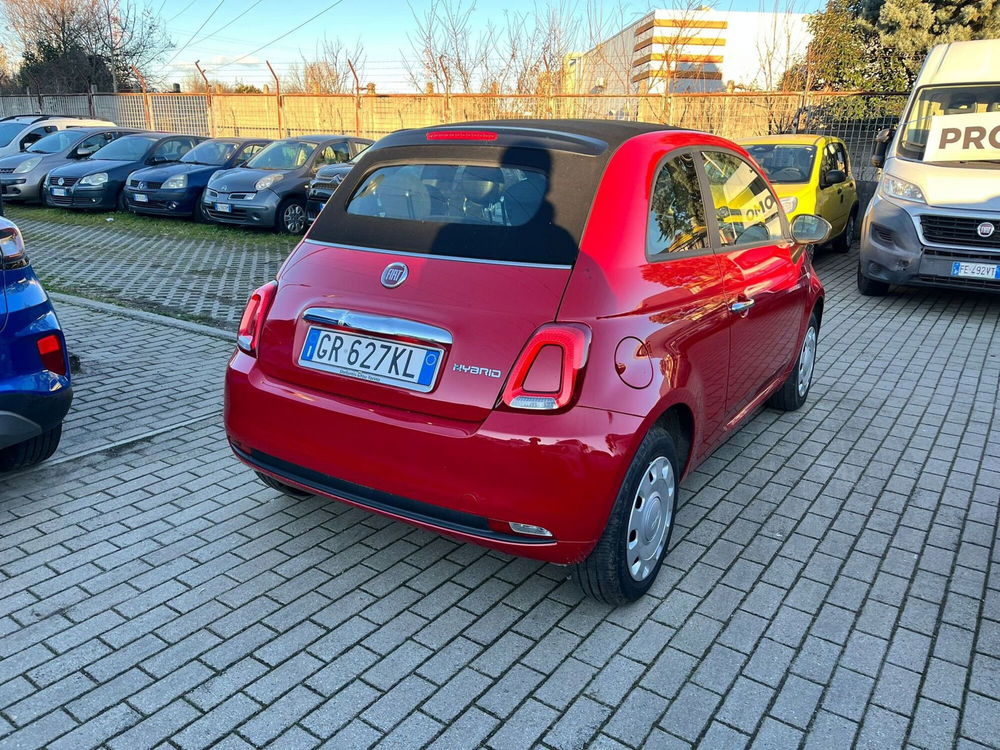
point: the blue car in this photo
(35, 389)
(97, 183)
(175, 189)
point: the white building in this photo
(692, 51)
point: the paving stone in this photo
(831, 574)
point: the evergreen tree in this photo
(907, 29)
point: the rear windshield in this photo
(512, 203)
(451, 194)
(784, 163)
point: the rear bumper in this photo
(26, 414)
(468, 481)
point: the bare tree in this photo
(530, 51)
(329, 72)
(70, 45)
(777, 51)
(445, 50)
(130, 36)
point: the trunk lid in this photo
(489, 310)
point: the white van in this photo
(17, 132)
(935, 216)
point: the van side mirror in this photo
(882, 139)
(835, 177)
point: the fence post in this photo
(357, 99)
(208, 95)
(277, 94)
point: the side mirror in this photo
(809, 229)
(85, 153)
(882, 139)
(158, 160)
(835, 177)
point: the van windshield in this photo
(932, 101)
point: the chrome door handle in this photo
(741, 307)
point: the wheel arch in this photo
(678, 420)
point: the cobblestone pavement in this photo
(834, 578)
(200, 278)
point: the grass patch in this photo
(154, 226)
(138, 304)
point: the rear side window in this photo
(500, 196)
(745, 208)
(676, 212)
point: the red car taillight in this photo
(50, 349)
(252, 322)
(546, 374)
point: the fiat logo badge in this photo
(394, 275)
(986, 229)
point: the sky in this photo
(221, 32)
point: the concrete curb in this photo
(149, 317)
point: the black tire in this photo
(792, 393)
(274, 484)
(121, 204)
(284, 221)
(871, 287)
(605, 574)
(842, 242)
(198, 215)
(32, 451)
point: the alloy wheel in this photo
(650, 518)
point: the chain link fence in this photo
(854, 117)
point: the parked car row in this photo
(242, 181)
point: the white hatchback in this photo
(17, 132)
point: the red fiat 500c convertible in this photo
(523, 333)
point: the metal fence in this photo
(855, 117)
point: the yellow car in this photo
(811, 175)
